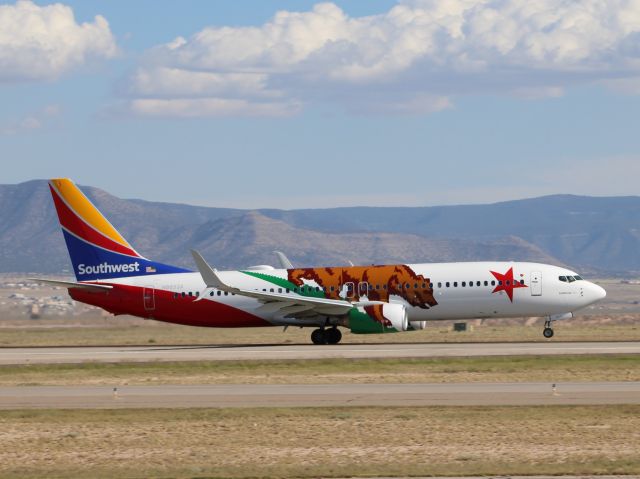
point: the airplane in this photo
(112, 275)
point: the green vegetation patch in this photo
(324, 371)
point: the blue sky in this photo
(348, 103)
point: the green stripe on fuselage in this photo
(309, 291)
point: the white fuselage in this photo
(462, 290)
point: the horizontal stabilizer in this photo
(73, 284)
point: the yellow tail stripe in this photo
(85, 209)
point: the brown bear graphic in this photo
(381, 282)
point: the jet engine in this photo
(378, 318)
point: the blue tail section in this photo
(97, 250)
(91, 262)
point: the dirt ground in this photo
(311, 442)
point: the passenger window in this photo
(508, 282)
(332, 289)
(211, 293)
(408, 286)
(190, 293)
(415, 285)
(384, 286)
(455, 284)
(287, 290)
(464, 283)
(493, 282)
(226, 293)
(447, 284)
(219, 293)
(478, 283)
(377, 286)
(439, 285)
(430, 285)
(500, 282)
(470, 284)
(522, 281)
(279, 290)
(270, 290)
(486, 283)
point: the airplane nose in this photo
(597, 292)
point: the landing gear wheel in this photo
(547, 333)
(319, 336)
(333, 335)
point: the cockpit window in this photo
(570, 279)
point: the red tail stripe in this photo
(75, 225)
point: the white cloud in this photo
(42, 43)
(30, 122)
(199, 107)
(410, 59)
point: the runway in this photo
(296, 395)
(284, 352)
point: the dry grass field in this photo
(131, 331)
(329, 371)
(313, 442)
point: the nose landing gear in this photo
(547, 332)
(326, 336)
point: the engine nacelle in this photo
(378, 318)
(417, 325)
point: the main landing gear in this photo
(326, 336)
(547, 332)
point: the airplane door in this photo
(536, 284)
(148, 298)
(363, 289)
(350, 289)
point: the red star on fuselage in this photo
(506, 283)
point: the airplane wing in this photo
(73, 284)
(274, 302)
(284, 261)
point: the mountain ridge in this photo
(594, 234)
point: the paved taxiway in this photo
(291, 395)
(262, 352)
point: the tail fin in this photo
(96, 248)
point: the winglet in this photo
(209, 274)
(284, 261)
